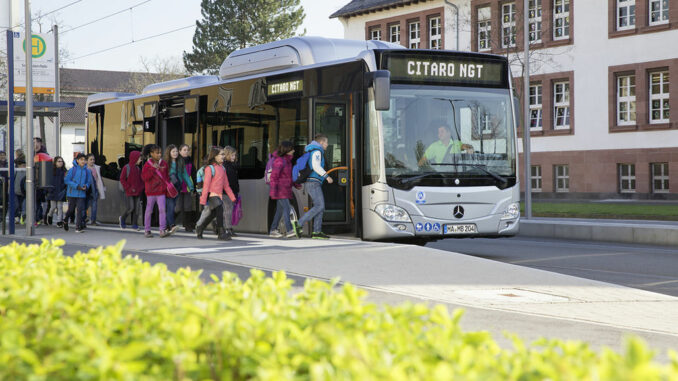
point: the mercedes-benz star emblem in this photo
(458, 211)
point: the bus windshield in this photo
(431, 132)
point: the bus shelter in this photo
(8, 113)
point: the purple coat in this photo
(281, 177)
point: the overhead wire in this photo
(107, 16)
(45, 14)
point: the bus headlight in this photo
(392, 213)
(512, 212)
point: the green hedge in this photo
(101, 316)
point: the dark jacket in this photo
(281, 177)
(232, 175)
(58, 191)
(77, 177)
(131, 179)
(155, 185)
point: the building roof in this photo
(75, 115)
(93, 81)
(357, 7)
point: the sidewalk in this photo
(623, 231)
(421, 273)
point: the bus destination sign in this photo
(286, 87)
(442, 69)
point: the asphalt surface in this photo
(651, 268)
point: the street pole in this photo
(10, 125)
(30, 188)
(526, 113)
(57, 96)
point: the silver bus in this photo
(422, 143)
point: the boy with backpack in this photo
(310, 170)
(133, 186)
(78, 179)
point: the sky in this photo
(146, 18)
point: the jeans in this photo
(92, 202)
(282, 210)
(171, 204)
(314, 189)
(58, 208)
(150, 203)
(81, 204)
(20, 205)
(133, 208)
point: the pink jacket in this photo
(281, 178)
(217, 184)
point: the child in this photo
(215, 184)
(281, 188)
(78, 179)
(185, 202)
(20, 189)
(232, 175)
(178, 176)
(98, 190)
(155, 176)
(130, 178)
(57, 194)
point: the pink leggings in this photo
(150, 202)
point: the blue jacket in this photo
(315, 146)
(77, 177)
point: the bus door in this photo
(171, 129)
(330, 117)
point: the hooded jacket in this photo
(281, 177)
(317, 162)
(77, 177)
(132, 182)
(59, 184)
(155, 185)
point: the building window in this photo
(484, 28)
(659, 12)
(626, 100)
(535, 21)
(535, 107)
(627, 178)
(660, 177)
(375, 34)
(561, 19)
(414, 35)
(394, 33)
(435, 36)
(562, 178)
(626, 14)
(535, 178)
(659, 97)
(79, 135)
(561, 105)
(508, 25)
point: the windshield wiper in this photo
(481, 167)
(415, 178)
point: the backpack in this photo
(302, 168)
(269, 168)
(200, 177)
(120, 187)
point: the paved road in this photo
(650, 268)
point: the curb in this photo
(596, 230)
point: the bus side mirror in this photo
(381, 81)
(516, 111)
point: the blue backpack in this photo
(302, 168)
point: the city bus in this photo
(386, 111)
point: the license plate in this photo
(460, 229)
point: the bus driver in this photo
(445, 145)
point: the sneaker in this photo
(60, 224)
(291, 234)
(94, 223)
(121, 222)
(79, 230)
(232, 232)
(148, 235)
(66, 225)
(21, 220)
(275, 234)
(136, 227)
(165, 233)
(319, 235)
(297, 228)
(173, 229)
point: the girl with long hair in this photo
(230, 165)
(178, 177)
(214, 185)
(185, 200)
(281, 188)
(57, 195)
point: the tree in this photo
(155, 70)
(228, 25)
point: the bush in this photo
(101, 316)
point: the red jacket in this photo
(132, 182)
(281, 177)
(153, 184)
